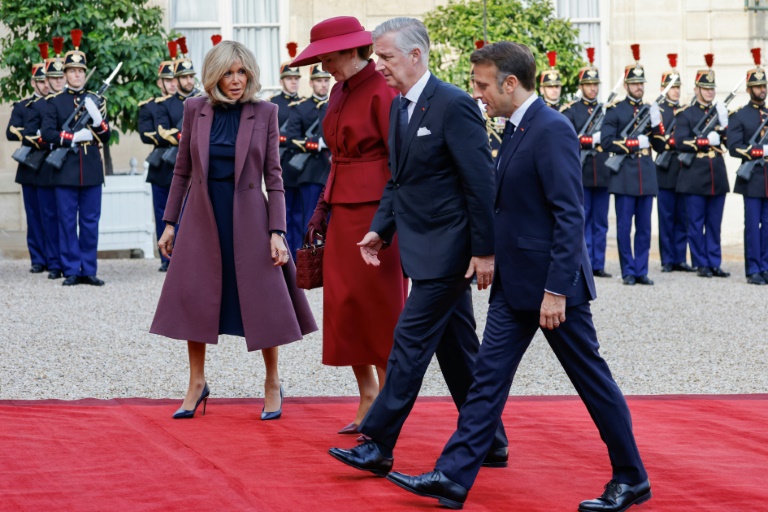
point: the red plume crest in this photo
(43, 49)
(216, 39)
(292, 47)
(58, 45)
(183, 45)
(552, 56)
(635, 52)
(672, 59)
(591, 55)
(756, 55)
(77, 37)
(709, 58)
(479, 44)
(173, 49)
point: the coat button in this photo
(397, 185)
(250, 185)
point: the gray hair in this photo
(410, 34)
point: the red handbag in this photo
(309, 261)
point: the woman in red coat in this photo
(361, 303)
(231, 272)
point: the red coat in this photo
(274, 310)
(361, 304)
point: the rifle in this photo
(665, 158)
(81, 118)
(299, 160)
(282, 130)
(636, 127)
(595, 122)
(747, 168)
(706, 124)
(169, 154)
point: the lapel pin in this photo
(423, 109)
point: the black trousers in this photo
(438, 318)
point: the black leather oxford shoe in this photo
(432, 485)
(36, 268)
(91, 280)
(667, 268)
(755, 278)
(367, 456)
(629, 280)
(71, 281)
(704, 272)
(718, 272)
(683, 267)
(55, 274)
(601, 273)
(163, 266)
(498, 458)
(764, 273)
(643, 280)
(618, 497)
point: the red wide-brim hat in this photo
(333, 35)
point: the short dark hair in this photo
(511, 59)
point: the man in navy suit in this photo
(543, 280)
(440, 202)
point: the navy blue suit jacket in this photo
(440, 197)
(539, 213)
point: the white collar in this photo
(415, 92)
(517, 117)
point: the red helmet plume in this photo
(635, 51)
(672, 60)
(43, 49)
(183, 45)
(292, 47)
(709, 58)
(591, 55)
(756, 55)
(173, 49)
(216, 39)
(479, 44)
(552, 56)
(58, 45)
(77, 37)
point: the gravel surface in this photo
(684, 335)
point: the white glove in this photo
(595, 139)
(83, 135)
(321, 144)
(93, 111)
(655, 114)
(713, 138)
(765, 150)
(722, 115)
(644, 142)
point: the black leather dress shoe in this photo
(683, 267)
(629, 280)
(163, 266)
(764, 273)
(71, 281)
(667, 268)
(755, 278)
(432, 485)
(718, 272)
(618, 497)
(643, 280)
(498, 458)
(36, 268)
(55, 274)
(91, 280)
(601, 273)
(367, 456)
(704, 272)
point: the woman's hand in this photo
(165, 244)
(278, 249)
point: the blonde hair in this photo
(218, 61)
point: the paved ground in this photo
(684, 335)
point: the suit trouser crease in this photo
(705, 217)
(755, 234)
(596, 206)
(79, 210)
(35, 231)
(639, 208)
(293, 219)
(50, 216)
(673, 232)
(159, 199)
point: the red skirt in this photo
(361, 303)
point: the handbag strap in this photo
(309, 237)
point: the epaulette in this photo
(681, 109)
(321, 103)
(54, 94)
(297, 102)
(615, 102)
(142, 103)
(161, 99)
(567, 105)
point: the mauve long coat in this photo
(274, 310)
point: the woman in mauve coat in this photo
(361, 304)
(231, 272)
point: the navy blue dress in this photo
(221, 190)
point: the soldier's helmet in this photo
(54, 66)
(317, 71)
(589, 74)
(38, 68)
(551, 77)
(166, 68)
(285, 68)
(705, 78)
(634, 73)
(756, 75)
(75, 58)
(183, 65)
(667, 76)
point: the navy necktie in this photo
(402, 122)
(506, 140)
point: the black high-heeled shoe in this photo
(273, 415)
(183, 414)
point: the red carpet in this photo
(702, 453)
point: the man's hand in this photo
(552, 312)
(370, 246)
(483, 267)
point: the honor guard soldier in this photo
(551, 83)
(748, 141)
(704, 182)
(171, 116)
(310, 155)
(633, 184)
(46, 191)
(160, 173)
(585, 115)
(294, 215)
(22, 128)
(79, 180)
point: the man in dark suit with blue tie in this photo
(543, 279)
(440, 202)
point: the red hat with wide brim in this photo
(333, 35)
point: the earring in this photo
(357, 62)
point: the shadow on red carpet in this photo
(703, 453)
